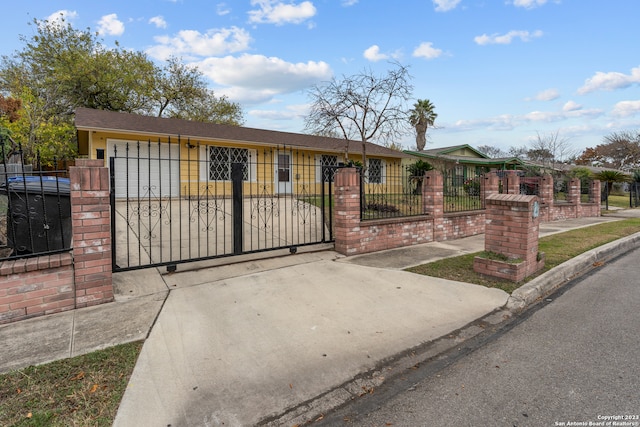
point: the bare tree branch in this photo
(363, 107)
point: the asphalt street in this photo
(571, 360)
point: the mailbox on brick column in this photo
(511, 237)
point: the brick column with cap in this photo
(91, 221)
(511, 232)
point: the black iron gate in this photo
(174, 205)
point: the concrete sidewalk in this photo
(269, 341)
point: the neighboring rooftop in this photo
(466, 154)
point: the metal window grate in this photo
(374, 171)
(221, 159)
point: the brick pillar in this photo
(573, 196)
(513, 182)
(91, 223)
(433, 201)
(595, 192)
(573, 191)
(512, 231)
(347, 210)
(546, 197)
(490, 185)
(546, 189)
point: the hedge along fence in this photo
(356, 233)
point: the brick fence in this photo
(81, 277)
(32, 287)
(355, 236)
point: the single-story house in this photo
(465, 156)
(182, 157)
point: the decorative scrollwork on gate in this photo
(147, 212)
(206, 208)
(265, 208)
(301, 207)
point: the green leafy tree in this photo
(416, 173)
(207, 107)
(61, 68)
(581, 173)
(421, 117)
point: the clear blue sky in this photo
(498, 71)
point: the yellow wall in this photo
(193, 163)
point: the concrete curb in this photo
(553, 279)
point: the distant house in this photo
(280, 159)
(446, 158)
(465, 161)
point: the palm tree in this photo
(421, 117)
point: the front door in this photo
(283, 173)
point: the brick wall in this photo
(354, 236)
(36, 286)
(49, 284)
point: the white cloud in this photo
(509, 122)
(347, 3)
(427, 51)
(445, 5)
(610, 81)
(158, 21)
(626, 108)
(373, 54)
(110, 25)
(253, 78)
(291, 112)
(279, 13)
(547, 95)
(525, 36)
(571, 106)
(59, 16)
(529, 4)
(222, 9)
(191, 43)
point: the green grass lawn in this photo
(617, 201)
(80, 391)
(558, 248)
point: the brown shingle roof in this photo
(111, 121)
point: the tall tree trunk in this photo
(421, 136)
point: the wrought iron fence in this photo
(530, 185)
(35, 210)
(462, 190)
(634, 194)
(560, 188)
(390, 190)
(585, 191)
(175, 202)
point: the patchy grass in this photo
(80, 391)
(558, 248)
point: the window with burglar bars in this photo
(328, 166)
(221, 159)
(374, 172)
